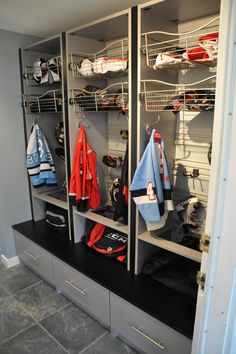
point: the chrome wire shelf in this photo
(110, 61)
(113, 97)
(49, 102)
(45, 73)
(165, 50)
(198, 96)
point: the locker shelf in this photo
(49, 102)
(91, 215)
(113, 97)
(112, 60)
(33, 75)
(165, 50)
(57, 197)
(164, 96)
(171, 246)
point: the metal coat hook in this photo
(151, 124)
(123, 113)
(195, 173)
(82, 120)
(36, 120)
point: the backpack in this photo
(107, 241)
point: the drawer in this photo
(92, 297)
(145, 332)
(36, 258)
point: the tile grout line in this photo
(55, 340)
(18, 333)
(95, 341)
(38, 323)
(35, 321)
(30, 286)
(61, 308)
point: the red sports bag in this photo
(108, 242)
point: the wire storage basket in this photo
(165, 50)
(43, 72)
(49, 102)
(91, 99)
(198, 96)
(112, 59)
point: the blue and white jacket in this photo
(40, 164)
(151, 186)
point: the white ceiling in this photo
(49, 17)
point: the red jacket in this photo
(83, 180)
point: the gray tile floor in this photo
(34, 318)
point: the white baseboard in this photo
(10, 262)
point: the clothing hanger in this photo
(147, 125)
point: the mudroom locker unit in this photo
(150, 72)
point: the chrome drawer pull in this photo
(82, 292)
(30, 255)
(148, 338)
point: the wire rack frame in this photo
(111, 59)
(50, 102)
(28, 73)
(113, 97)
(197, 96)
(182, 50)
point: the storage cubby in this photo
(43, 104)
(98, 88)
(178, 60)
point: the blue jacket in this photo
(151, 186)
(40, 164)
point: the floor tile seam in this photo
(5, 290)
(29, 287)
(38, 323)
(53, 313)
(51, 336)
(18, 333)
(92, 343)
(13, 294)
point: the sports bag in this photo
(107, 241)
(56, 218)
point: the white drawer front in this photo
(34, 257)
(144, 331)
(83, 291)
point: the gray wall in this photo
(14, 196)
